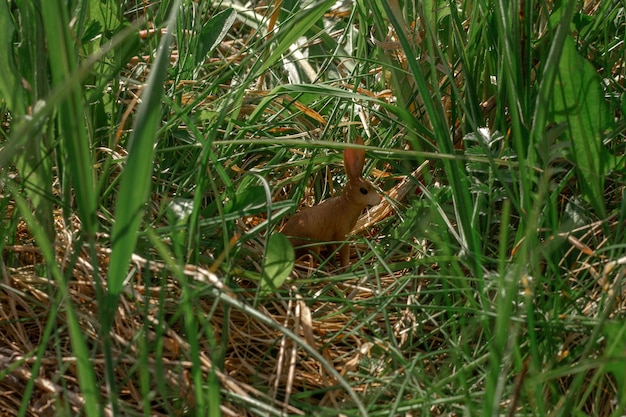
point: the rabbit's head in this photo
(359, 191)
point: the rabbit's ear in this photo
(354, 160)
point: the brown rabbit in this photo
(332, 220)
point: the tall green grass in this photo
(493, 289)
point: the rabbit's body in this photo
(330, 221)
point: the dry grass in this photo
(382, 329)
(261, 364)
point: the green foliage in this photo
(24, 88)
(85, 370)
(76, 143)
(616, 349)
(135, 184)
(213, 32)
(483, 290)
(278, 263)
(578, 101)
(10, 83)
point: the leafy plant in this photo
(151, 152)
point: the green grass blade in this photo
(455, 169)
(615, 333)
(414, 326)
(297, 26)
(10, 84)
(511, 90)
(135, 184)
(24, 69)
(134, 190)
(548, 76)
(75, 141)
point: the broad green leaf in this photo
(105, 14)
(277, 264)
(214, 32)
(247, 200)
(578, 100)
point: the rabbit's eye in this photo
(363, 191)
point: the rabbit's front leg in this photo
(344, 255)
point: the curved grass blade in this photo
(134, 191)
(86, 375)
(455, 168)
(135, 182)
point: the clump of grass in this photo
(150, 150)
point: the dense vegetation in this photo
(151, 150)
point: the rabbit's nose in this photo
(374, 200)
